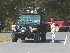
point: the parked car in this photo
(60, 24)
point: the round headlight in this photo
(22, 30)
(34, 29)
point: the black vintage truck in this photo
(30, 24)
(2, 23)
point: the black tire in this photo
(36, 38)
(43, 37)
(22, 38)
(14, 37)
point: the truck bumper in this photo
(28, 35)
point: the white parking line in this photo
(28, 51)
(65, 40)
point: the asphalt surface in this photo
(29, 46)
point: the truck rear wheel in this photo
(22, 38)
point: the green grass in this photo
(5, 38)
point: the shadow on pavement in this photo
(47, 41)
(59, 41)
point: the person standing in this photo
(53, 30)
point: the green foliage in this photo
(8, 23)
(4, 38)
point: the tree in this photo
(54, 8)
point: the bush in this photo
(5, 38)
(8, 23)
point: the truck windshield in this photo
(29, 19)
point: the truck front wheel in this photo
(14, 38)
(36, 38)
(43, 37)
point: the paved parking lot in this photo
(29, 46)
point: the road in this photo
(29, 46)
